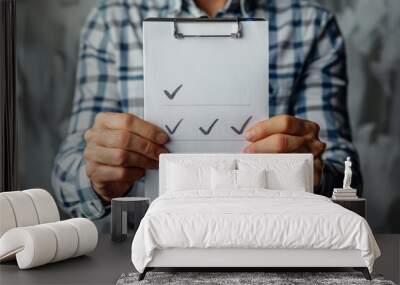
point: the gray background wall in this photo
(48, 32)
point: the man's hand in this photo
(285, 134)
(119, 147)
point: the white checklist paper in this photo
(205, 88)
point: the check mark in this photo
(172, 95)
(207, 132)
(240, 131)
(175, 128)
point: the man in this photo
(109, 146)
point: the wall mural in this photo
(47, 40)
(373, 39)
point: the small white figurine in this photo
(347, 174)
(345, 193)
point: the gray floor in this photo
(110, 260)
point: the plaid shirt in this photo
(307, 79)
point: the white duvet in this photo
(250, 219)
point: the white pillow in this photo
(293, 180)
(181, 177)
(237, 179)
(223, 179)
(187, 175)
(281, 174)
(251, 178)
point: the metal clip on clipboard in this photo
(178, 35)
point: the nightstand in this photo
(126, 214)
(358, 206)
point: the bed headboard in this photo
(165, 159)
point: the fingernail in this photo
(249, 135)
(162, 138)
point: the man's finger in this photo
(118, 157)
(317, 148)
(277, 143)
(282, 124)
(125, 140)
(318, 168)
(131, 123)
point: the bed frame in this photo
(250, 259)
(245, 259)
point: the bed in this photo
(247, 211)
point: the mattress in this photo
(250, 218)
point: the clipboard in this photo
(205, 82)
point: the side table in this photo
(358, 206)
(126, 214)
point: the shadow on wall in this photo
(373, 39)
(47, 47)
(47, 39)
(394, 211)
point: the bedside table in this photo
(126, 214)
(358, 206)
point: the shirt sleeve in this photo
(96, 91)
(321, 96)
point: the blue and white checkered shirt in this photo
(307, 79)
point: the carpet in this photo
(269, 278)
